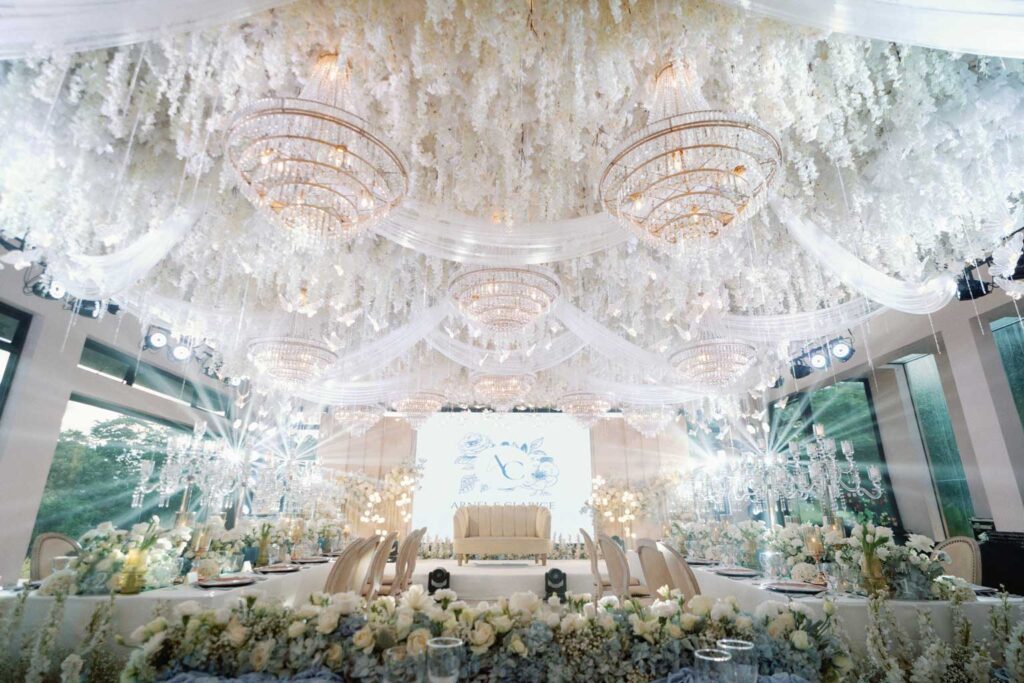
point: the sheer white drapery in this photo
(985, 27)
(609, 344)
(800, 326)
(451, 235)
(917, 298)
(494, 362)
(34, 27)
(102, 277)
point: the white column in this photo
(30, 428)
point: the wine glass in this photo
(744, 659)
(443, 659)
(712, 665)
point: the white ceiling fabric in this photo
(984, 27)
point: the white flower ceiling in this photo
(906, 156)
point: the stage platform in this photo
(491, 579)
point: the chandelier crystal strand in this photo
(417, 408)
(587, 408)
(505, 302)
(357, 420)
(649, 420)
(712, 364)
(312, 167)
(691, 174)
(290, 361)
(502, 392)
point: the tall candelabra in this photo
(823, 476)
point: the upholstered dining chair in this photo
(964, 558)
(341, 577)
(47, 546)
(618, 570)
(656, 573)
(375, 570)
(679, 569)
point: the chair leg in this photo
(544, 560)
(458, 558)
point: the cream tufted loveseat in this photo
(502, 530)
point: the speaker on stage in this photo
(438, 579)
(554, 583)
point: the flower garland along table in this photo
(853, 610)
(132, 611)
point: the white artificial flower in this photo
(481, 637)
(701, 605)
(416, 641)
(236, 633)
(526, 603)
(664, 609)
(347, 603)
(416, 598)
(800, 640)
(328, 620)
(296, 629)
(364, 639)
(689, 621)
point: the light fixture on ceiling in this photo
(504, 301)
(312, 167)
(156, 338)
(693, 172)
(586, 407)
(842, 349)
(292, 361)
(356, 420)
(180, 351)
(417, 408)
(502, 392)
(713, 364)
(818, 359)
(649, 420)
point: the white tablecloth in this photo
(132, 611)
(853, 610)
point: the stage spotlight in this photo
(180, 351)
(970, 288)
(799, 369)
(818, 359)
(842, 349)
(156, 338)
(46, 288)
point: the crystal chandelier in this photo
(504, 301)
(312, 167)
(693, 171)
(357, 420)
(587, 408)
(649, 420)
(502, 392)
(713, 364)
(291, 361)
(417, 408)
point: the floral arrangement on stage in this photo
(521, 638)
(615, 505)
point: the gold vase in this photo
(872, 579)
(263, 553)
(133, 575)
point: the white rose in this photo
(609, 602)
(800, 640)
(328, 620)
(701, 605)
(346, 603)
(236, 633)
(673, 631)
(403, 620)
(572, 622)
(722, 611)
(517, 646)
(555, 601)
(189, 608)
(502, 623)
(744, 623)
(334, 654)
(664, 609)
(606, 621)
(416, 643)
(416, 598)
(296, 629)
(689, 622)
(481, 637)
(363, 639)
(260, 655)
(445, 595)
(769, 609)
(527, 603)
(221, 615)
(308, 611)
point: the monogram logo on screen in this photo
(505, 466)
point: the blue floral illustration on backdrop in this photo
(506, 466)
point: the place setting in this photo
(463, 341)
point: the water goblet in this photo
(402, 666)
(712, 665)
(744, 659)
(443, 659)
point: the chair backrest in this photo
(45, 547)
(340, 578)
(964, 558)
(375, 571)
(680, 571)
(617, 565)
(655, 567)
(595, 569)
(414, 553)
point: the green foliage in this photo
(93, 475)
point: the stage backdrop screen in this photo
(472, 458)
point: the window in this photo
(944, 464)
(1008, 334)
(143, 376)
(95, 469)
(846, 411)
(13, 330)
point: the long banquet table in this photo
(853, 610)
(132, 611)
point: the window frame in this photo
(14, 348)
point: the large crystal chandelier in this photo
(418, 407)
(505, 302)
(649, 420)
(311, 166)
(713, 364)
(692, 172)
(357, 420)
(502, 392)
(292, 361)
(587, 408)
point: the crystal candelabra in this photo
(825, 477)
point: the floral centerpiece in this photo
(520, 638)
(789, 542)
(912, 569)
(97, 568)
(694, 538)
(752, 535)
(872, 545)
